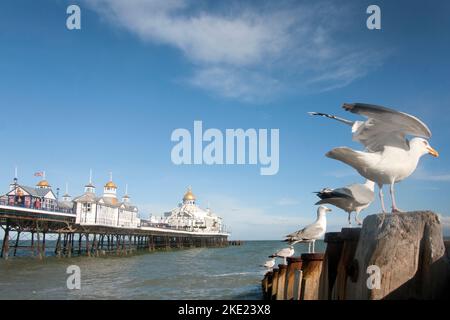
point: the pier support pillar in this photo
(5, 245)
(17, 242)
(58, 246)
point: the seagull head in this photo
(323, 211)
(422, 146)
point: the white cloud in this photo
(233, 83)
(246, 52)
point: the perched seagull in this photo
(284, 254)
(353, 198)
(389, 156)
(269, 264)
(312, 232)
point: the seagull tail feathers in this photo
(346, 155)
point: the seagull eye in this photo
(425, 143)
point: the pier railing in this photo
(56, 209)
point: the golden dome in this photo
(111, 184)
(189, 195)
(43, 184)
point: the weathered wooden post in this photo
(273, 293)
(350, 237)
(330, 264)
(298, 280)
(400, 257)
(312, 269)
(294, 264)
(281, 281)
(265, 284)
(269, 286)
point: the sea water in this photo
(233, 272)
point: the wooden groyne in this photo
(46, 234)
(400, 256)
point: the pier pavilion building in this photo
(106, 210)
(39, 197)
(189, 216)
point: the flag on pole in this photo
(39, 174)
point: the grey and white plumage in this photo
(269, 264)
(284, 254)
(352, 198)
(389, 156)
(312, 232)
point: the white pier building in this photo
(106, 210)
(189, 216)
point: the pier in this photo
(407, 249)
(37, 228)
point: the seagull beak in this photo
(433, 152)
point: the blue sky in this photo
(108, 97)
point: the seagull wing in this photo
(385, 127)
(342, 203)
(361, 194)
(283, 252)
(341, 198)
(335, 193)
(311, 232)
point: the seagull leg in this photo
(350, 218)
(380, 193)
(394, 205)
(359, 222)
(380, 186)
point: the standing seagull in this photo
(353, 198)
(269, 264)
(389, 157)
(312, 232)
(284, 254)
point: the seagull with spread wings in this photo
(352, 198)
(389, 156)
(312, 232)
